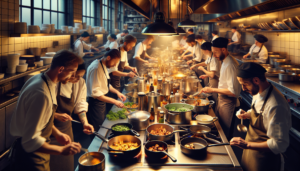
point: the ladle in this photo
(241, 127)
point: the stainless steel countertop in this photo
(220, 158)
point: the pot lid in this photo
(140, 115)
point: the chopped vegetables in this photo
(120, 128)
(176, 110)
(160, 131)
(116, 115)
(130, 105)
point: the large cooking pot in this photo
(204, 106)
(84, 159)
(125, 139)
(139, 120)
(274, 57)
(174, 117)
(190, 85)
(288, 77)
(279, 62)
(164, 138)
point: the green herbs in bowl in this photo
(120, 128)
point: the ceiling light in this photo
(187, 22)
(159, 27)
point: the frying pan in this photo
(200, 144)
(124, 138)
(200, 131)
(161, 137)
(158, 154)
(122, 132)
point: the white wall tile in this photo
(11, 48)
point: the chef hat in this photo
(250, 70)
(220, 42)
(85, 34)
(113, 36)
(260, 38)
(190, 38)
(81, 67)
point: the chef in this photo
(214, 35)
(258, 50)
(141, 54)
(71, 97)
(98, 86)
(80, 44)
(235, 40)
(121, 35)
(198, 55)
(190, 31)
(229, 88)
(32, 120)
(117, 72)
(192, 44)
(213, 68)
(186, 48)
(182, 42)
(111, 43)
(270, 121)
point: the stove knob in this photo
(296, 104)
(290, 100)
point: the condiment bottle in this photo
(172, 99)
(177, 97)
(152, 115)
(158, 113)
(161, 117)
(151, 88)
(147, 87)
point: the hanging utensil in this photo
(241, 127)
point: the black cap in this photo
(215, 32)
(113, 36)
(85, 34)
(206, 46)
(250, 70)
(220, 42)
(234, 28)
(81, 67)
(190, 38)
(260, 38)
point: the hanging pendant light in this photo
(179, 30)
(159, 27)
(187, 22)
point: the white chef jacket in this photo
(33, 112)
(216, 36)
(79, 46)
(123, 59)
(198, 52)
(111, 45)
(228, 78)
(236, 37)
(276, 119)
(214, 63)
(119, 37)
(263, 54)
(182, 42)
(79, 94)
(139, 49)
(96, 80)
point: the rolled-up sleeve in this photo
(138, 50)
(81, 104)
(278, 130)
(86, 46)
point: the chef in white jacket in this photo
(235, 40)
(111, 43)
(270, 121)
(214, 35)
(258, 50)
(121, 35)
(80, 45)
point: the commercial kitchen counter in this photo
(218, 157)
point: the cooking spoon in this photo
(241, 127)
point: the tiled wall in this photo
(285, 43)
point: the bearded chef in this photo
(228, 89)
(258, 50)
(270, 121)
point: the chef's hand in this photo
(146, 62)
(63, 117)
(242, 114)
(119, 104)
(203, 76)
(240, 142)
(133, 69)
(206, 90)
(131, 74)
(71, 149)
(245, 56)
(88, 129)
(190, 61)
(122, 96)
(201, 68)
(63, 139)
(184, 57)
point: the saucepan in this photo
(157, 150)
(165, 128)
(124, 140)
(203, 107)
(97, 162)
(127, 132)
(200, 131)
(206, 119)
(196, 146)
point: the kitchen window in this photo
(108, 15)
(43, 12)
(91, 12)
(120, 16)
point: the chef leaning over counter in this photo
(98, 86)
(111, 43)
(228, 89)
(235, 40)
(258, 50)
(270, 121)
(32, 120)
(80, 44)
(121, 35)
(71, 97)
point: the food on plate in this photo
(160, 131)
(120, 128)
(124, 146)
(130, 105)
(116, 115)
(156, 148)
(189, 146)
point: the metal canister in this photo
(141, 85)
(142, 101)
(153, 101)
(166, 88)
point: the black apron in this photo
(254, 55)
(139, 64)
(65, 105)
(254, 160)
(115, 80)
(214, 82)
(34, 161)
(97, 109)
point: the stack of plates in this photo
(65, 29)
(84, 26)
(39, 63)
(22, 67)
(70, 29)
(12, 62)
(50, 54)
(21, 27)
(78, 25)
(33, 29)
(58, 31)
(46, 28)
(52, 28)
(76, 30)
